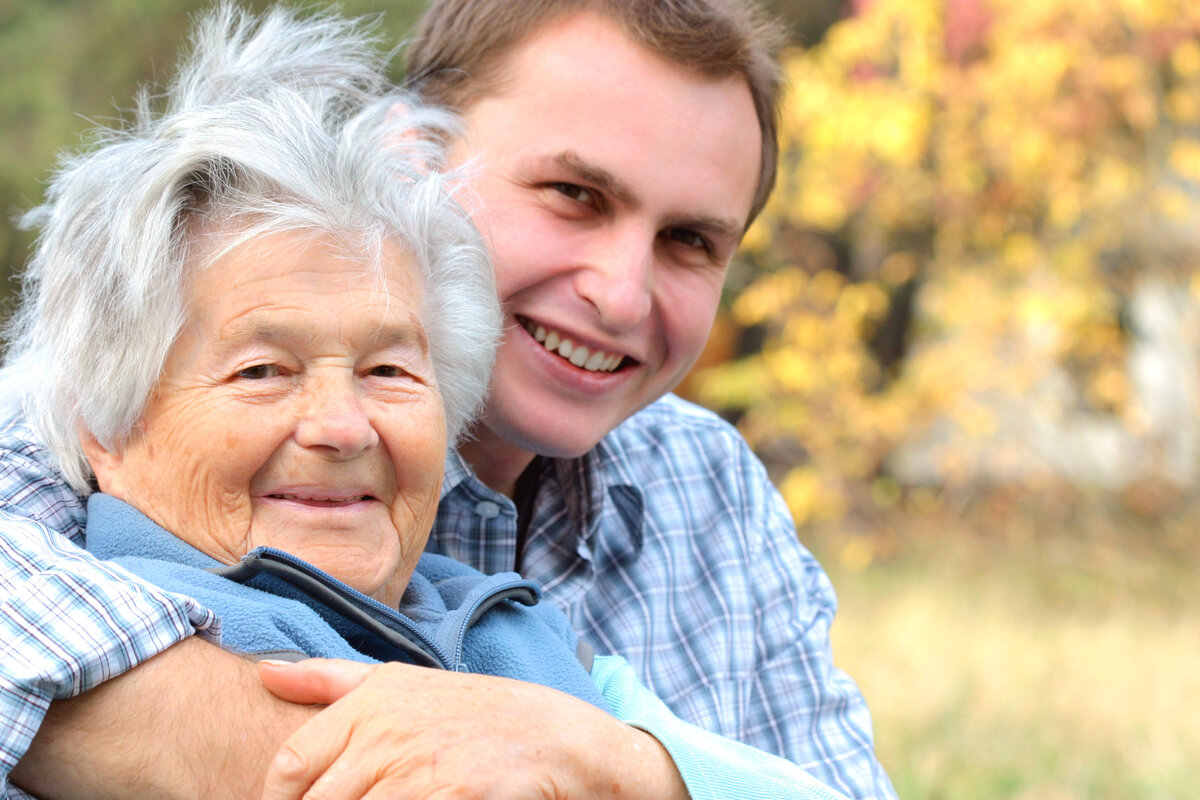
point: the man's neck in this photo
(496, 461)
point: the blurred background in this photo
(964, 336)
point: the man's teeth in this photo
(580, 356)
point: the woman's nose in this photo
(335, 421)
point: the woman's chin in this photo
(357, 543)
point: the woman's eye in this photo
(259, 371)
(387, 371)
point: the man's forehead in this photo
(564, 38)
(582, 95)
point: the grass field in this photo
(1045, 668)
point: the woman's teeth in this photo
(326, 500)
(580, 356)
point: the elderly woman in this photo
(254, 322)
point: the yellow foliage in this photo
(1185, 158)
(757, 237)
(1016, 191)
(807, 498)
(1183, 106)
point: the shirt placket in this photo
(495, 521)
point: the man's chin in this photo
(564, 437)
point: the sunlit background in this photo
(964, 336)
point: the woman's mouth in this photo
(321, 501)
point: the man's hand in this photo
(394, 730)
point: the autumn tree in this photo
(972, 195)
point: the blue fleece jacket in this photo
(274, 604)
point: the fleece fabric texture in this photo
(460, 616)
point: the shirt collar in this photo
(594, 487)
(603, 500)
(457, 471)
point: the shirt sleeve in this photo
(800, 705)
(67, 620)
(712, 767)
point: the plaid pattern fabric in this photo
(668, 545)
(680, 556)
(67, 621)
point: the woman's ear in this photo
(107, 465)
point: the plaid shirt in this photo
(67, 621)
(684, 561)
(668, 545)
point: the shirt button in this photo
(487, 509)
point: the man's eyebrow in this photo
(602, 179)
(716, 226)
(597, 176)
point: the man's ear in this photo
(397, 116)
(107, 465)
(417, 136)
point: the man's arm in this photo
(191, 722)
(800, 704)
(68, 623)
(732, 619)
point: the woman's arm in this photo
(403, 731)
(712, 766)
(499, 738)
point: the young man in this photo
(620, 150)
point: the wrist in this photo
(644, 769)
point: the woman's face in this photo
(297, 410)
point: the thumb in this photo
(314, 680)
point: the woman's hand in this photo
(394, 730)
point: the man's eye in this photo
(574, 191)
(689, 238)
(259, 371)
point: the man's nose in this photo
(618, 279)
(334, 420)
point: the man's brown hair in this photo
(460, 47)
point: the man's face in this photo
(614, 189)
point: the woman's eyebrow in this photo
(409, 333)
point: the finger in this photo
(305, 756)
(391, 789)
(314, 680)
(356, 773)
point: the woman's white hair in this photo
(278, 124)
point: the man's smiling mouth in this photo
(578, 354)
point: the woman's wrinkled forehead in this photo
(308, 278)
(211, 237)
